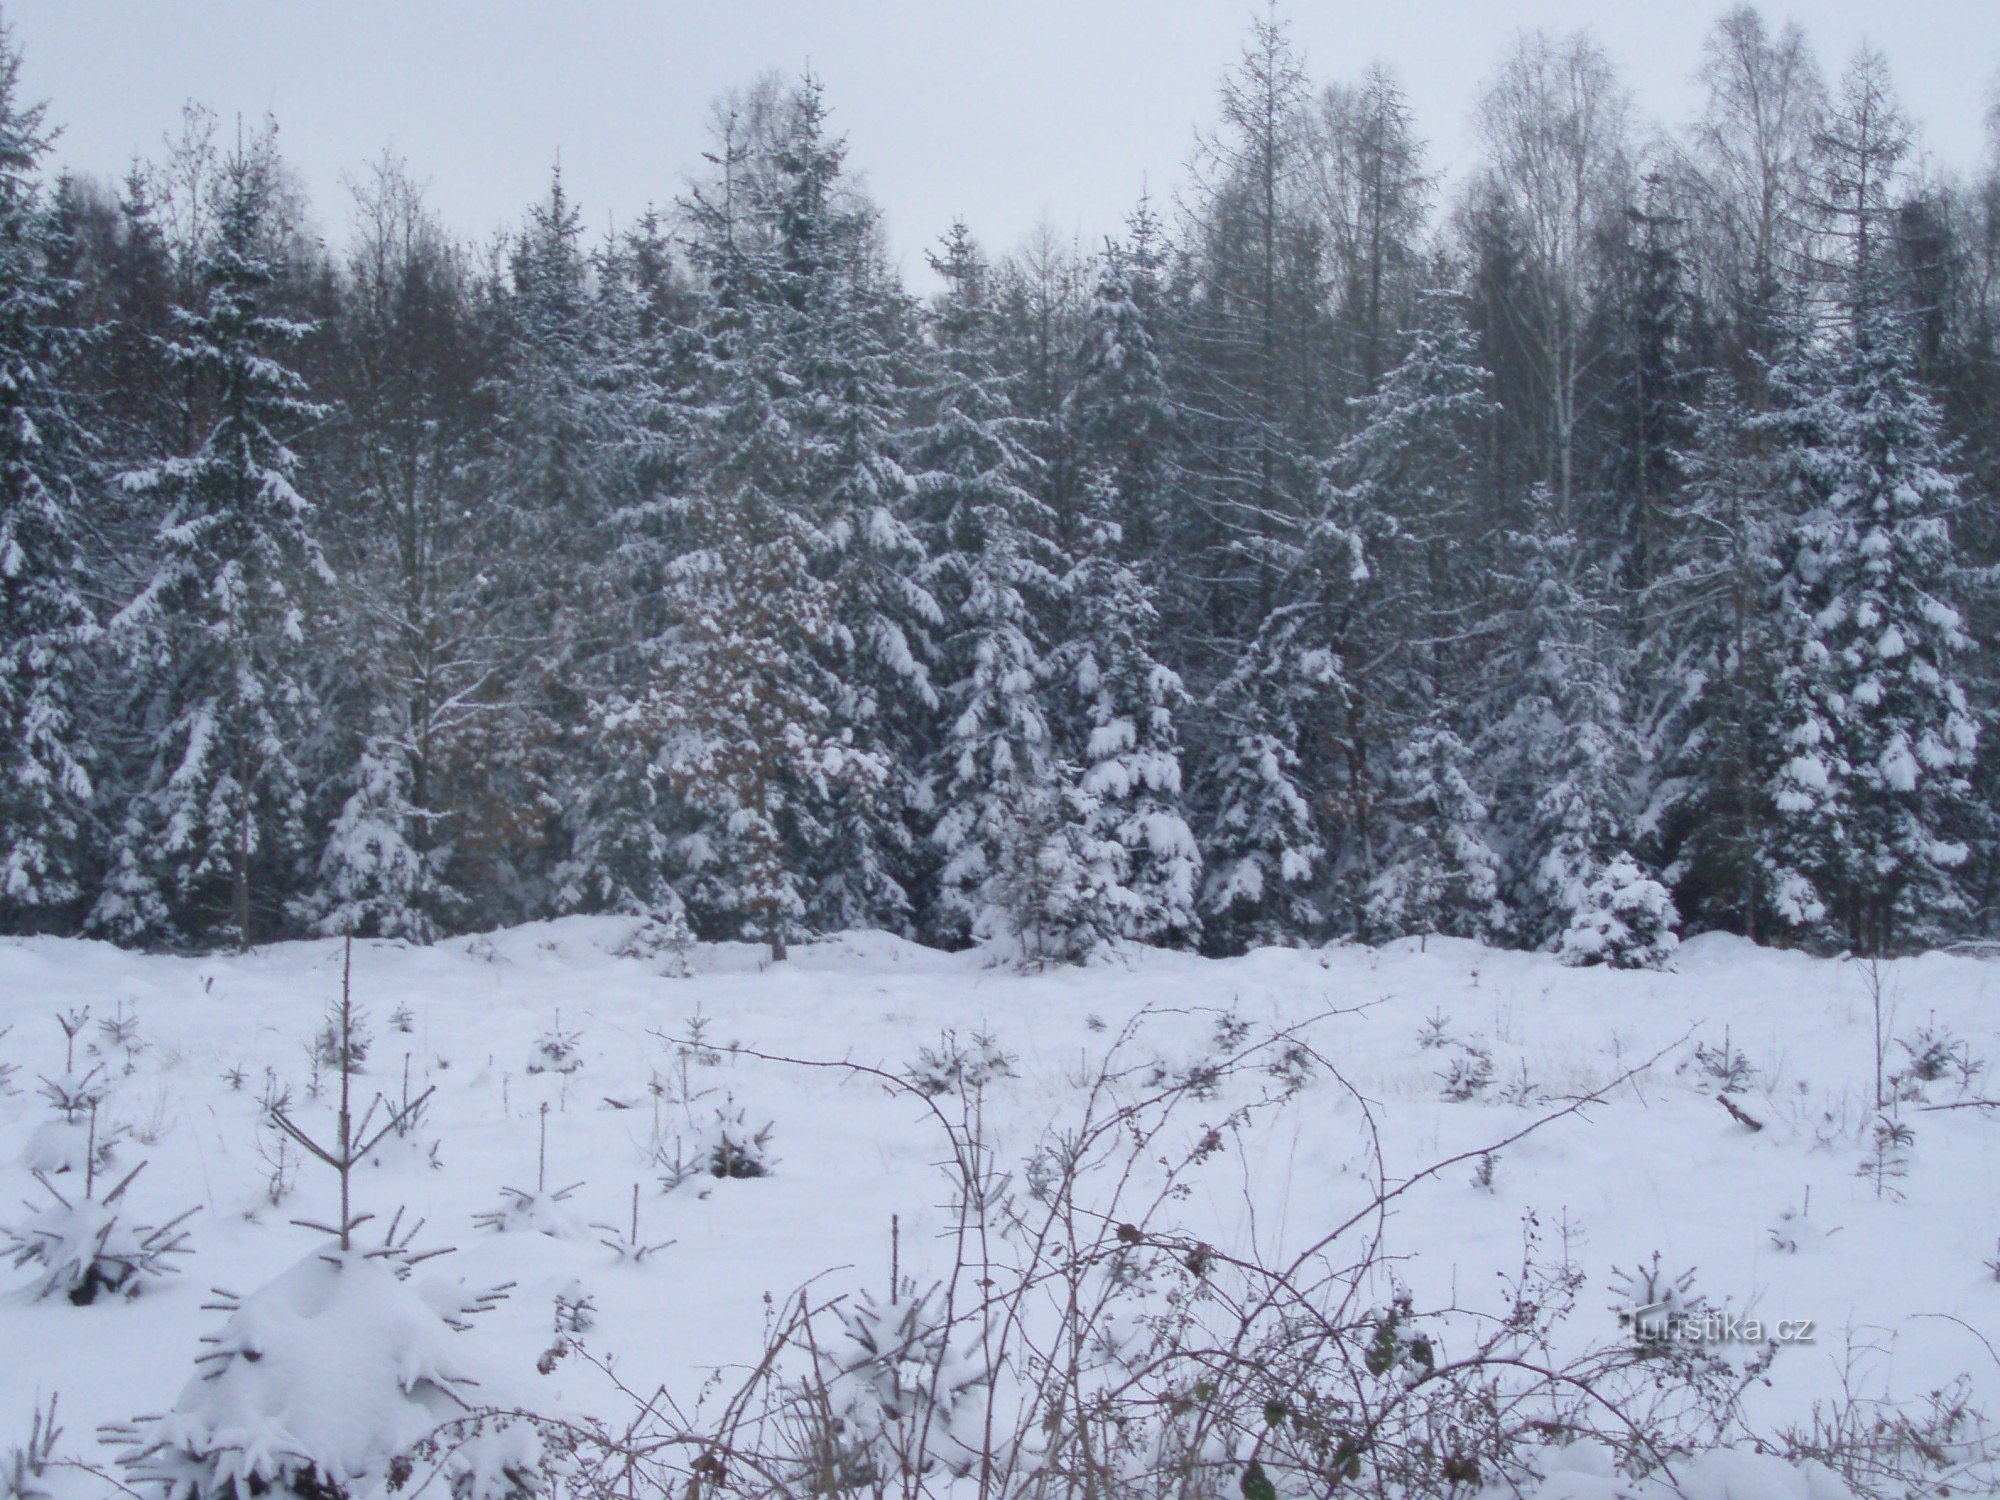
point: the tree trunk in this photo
(239, 873)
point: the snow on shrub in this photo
(955, 1067)
(324, 1383)
(895, 1386)
(1626, 919)
(728, 1147)
(85, 1247)
(557, 1050)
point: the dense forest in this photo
(1597, 546)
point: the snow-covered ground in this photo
(1893, 1270)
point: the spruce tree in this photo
(1023, 867)
(1121, 411)
(217, 634)
(1872, 739)
(1260, 848)
(46, 625)
(1438, 872)
(1559, 746)
(1128, 705)
(1708, 664)
(1390, 566)
(553, 489)
(800, 247)
(419, 655)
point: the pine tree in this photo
(790, 250)
(1872, 741)
(1872, 737)
(1439, 874)
(1023, 867)
(1128, 710)
(217, 631)
(1708, 664)
(1121, 412)
(1559, 745)
(45, 622)
(1260, 847)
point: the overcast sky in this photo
(1004, 112)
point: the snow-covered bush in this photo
(893, 1385)
(342, 1042)
(1625, 919)
(1654, 1302)
(74, 1095)
(28, 1470)
(663, 941)
(1468, 1074)
(119, 1033)
(955, 1067)
(727, 1147)
(322, 1383)
(84, 1247)
(538, 1212)
(1936, 1055)
(59, 1146)
(1723, 1068)
(73, 1141)
(557, 1050)
(732, 1147)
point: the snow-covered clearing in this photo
(1893, 1270)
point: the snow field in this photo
(1893, 1272)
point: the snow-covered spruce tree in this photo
(840, 332)
(45, 623)
(326, 1383)
(378, 873)
(1708, 667)
(1872, 738)
(338, 1377)
(1386, 571)
(1126, 705)
(1558, 746)
(570, 409)
(416, 666)
(1625, 920)
(216, 634)
(734, 706)
(620, 815)
(1260, 849)
(736, 714)
(1438, 872)
(1403, 484)
(84, 1245)
(1120, 412)
(901, 1392)
(1023, 868)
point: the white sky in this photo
(1003, 111)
